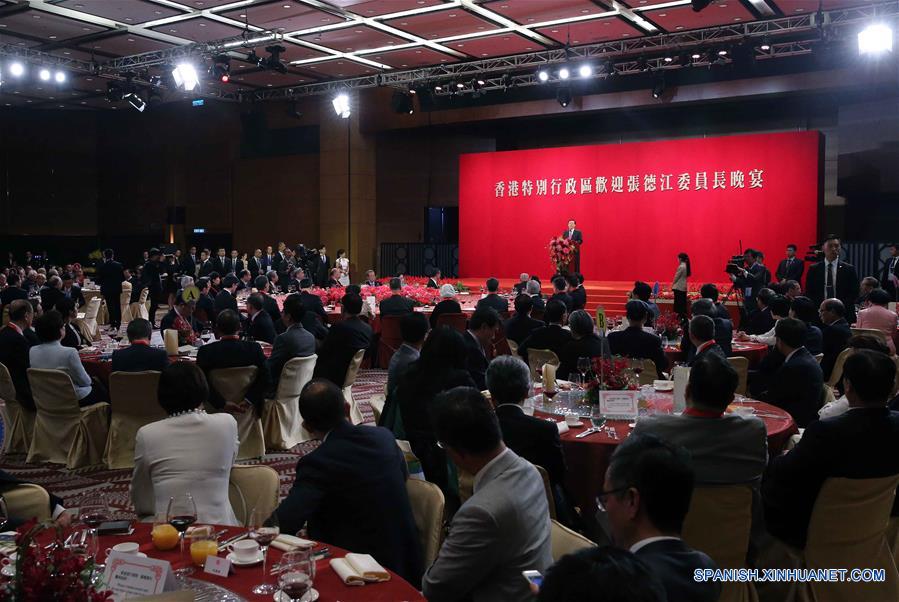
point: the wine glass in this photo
(4, 513)
(297, 573)
(583, 365)
(93, 511)
(263, 530)
(637, 368)
(181, 514)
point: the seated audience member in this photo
(603, 574)
(139, 356)
(492, 299)
(180, 315)
(312, 303)
(344, 339)
(504, 527)
(560, 292)
(215, 284)
(295, 341)
(51, 355)
(371, 279)
(701, 333)
(521, 324)
(522, 285)
(51, 292)
(189, 452)
(710, 292)
(867, 284)
(643, 292)
(797, 386)
(230, 352)
(30, 334)
(858, 341)
(13, 290)
(225, 298)
(70, 290)
(259, 325)
(14, 350)
(204, 312)
(414, 329)
(724, 328)
(367, 314)
(434, 278)
(780, 309)
(803, 308)
(552, 336)
(646, 497)
(440, 366)
(447, 304)
(878, 316)
(244, 280)
(862, 443)
(835, 333)
(72, 336)
(761, 320)
(274, 281)
(585, 343)
(793, 289)
(482, 329)
(334, 278)
(634, 342)
(353, 463)
(58, 512)
(396, 304)
(263, 288)
(533, 291)
(576, 291)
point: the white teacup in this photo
(126, 547)
(244, 550)
(572, 419)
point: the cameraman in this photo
(750, 280)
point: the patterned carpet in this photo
(72, 486)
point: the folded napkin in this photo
(563, 427)
(359, 569)
(549, 377)
(285, 542)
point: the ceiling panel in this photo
(125, 44)
(353, 38)
(124, 11)
(46, 26)
(596, 30)
(199, 29)
(374, 8)
(644, 3)
(90, 84)
(5, 38)
(496, 45)
(411, 58)
(76, 53)
(204, 4)
(792, 7)
(339, 68)
(271, 79)
(442, 24)
(680, 18)
(284, 16)
(527, 12)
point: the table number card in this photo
(129, 576)
(618, 404)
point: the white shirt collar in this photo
(483, 471)
(645, 542)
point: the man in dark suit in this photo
(51, 293)
(137, 284)
(761, 320)
(206, 266)
(797, 386)
(111, 275)
(560, 293)
(889, 273)
(834, 334)
(833, 278)
(237, 264)
(521, 286)
(295, 341)
(189, 262)
(724, 329)
(791, 267)
(353, 463)
(710, 292)
(447, 304)
(492, 299)
(139, 356)
(574, 235)
(225, 299)
(263, 286)
(859, 444)
(552, 336)
(312, 303)
(13, 289)
(482, 329)
(396, 304)
(230, 352)
(70, 290)
(322, 267)
(634, 342)
(221, 263)
(521, 324)
(646, 494)
(585, 343)
(370, 279)
(259, 324)
(152, 281)
(254, 263)
(14, 347)
(702, 337)
(576, 291)
(750, 279)
(533, 291)
(434, 278)
(344, 339)
(267, 259)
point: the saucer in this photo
(310, 596)
(8, 570)
(574, 424)
(236, 562)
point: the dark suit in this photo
(189, 265)
(344, 340)
(846, 289)
(50, 297)
(270, 306)
(890, 268)
(261, 328)
(789, 269)
(578, 237)
(797, 387)
(634, 342)
(313, 324)
(153, 283)
(72, 337)
(296, 341)
(138, 358)
(539, 302)
(813, 339)
(475, 360)
(673, 562)
(494, 301)
(520, 326)
(356, 463)
(578, 298)
(860, 444)
(759, 322)
(111, 275)
(751, 284)
(834, 337)
(564, 298)
(220, 265)
(447, 306)
(205, 310)
(74, 293)
(234, 353)
(589, 346)
(552, 337)
(322, 267)
(255, 266)
(713, 349)
(535, 440)
(433, 283)
(12, 293)
(225, 300)
(724, 333)
(313, 304)
(137, 286)
(14, 355)
(207, 267)
(396, 305)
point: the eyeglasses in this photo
(602, 496)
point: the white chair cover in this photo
(252, 487)
(88, 325)
(18, 421)
(26, 501)
(140, 309)
(428, 505)
(133, 402)
(565, 541)
(124, 299)
(233, 384)
(741, 365)
(537, 357)
(351, 372)
(281, 419)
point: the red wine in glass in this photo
(264, 535)
(93, 519)
(182, 521)
(550, 393)
(294, 584)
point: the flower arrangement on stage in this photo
(54, 573)
(419, 293)
(608, 375)
(693, 292)
(668, 323)
(562, 252)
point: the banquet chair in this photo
(649, 373)
(65, 433)
(837, 372)
(513, 347)
(133, 403)
(538, 357)
(428, 506)
(390, 340)
(741, 365)
(139, 308)
(252, 487)
(232, 384)
(351, 372)
(848, 528)
(281, 420)
(455, 321)
(88, 325)
(26, 501)
(548, 488)
(729, 508)
(565, 541)
(124, 299)
(18, 421)
(377, 403)
(873, 332)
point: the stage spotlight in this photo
(875, 39)
(585, 70)
(669, 59)
(766, 44)
(44, 74)
(402, 102)
(341, 104)
(658, 88)
(60, 77)
(722, 52)
(438, 88)
(221, 68)
(17, 69)
(185, 76)
(135, 101)
(563, 96)
(564, 73)
(543, 75)
(273, 62)
(476, 85)
(696, 56)
(460, 85)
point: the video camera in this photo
(735, 265)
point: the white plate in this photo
(310, 596)
(237, 562)
(663, 385)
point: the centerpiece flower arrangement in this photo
(668, 323)
(418, 293)
(52, 573)
(608, 375)
(561, 252)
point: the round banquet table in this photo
(243, 579)
(754, 352)
(587, 458)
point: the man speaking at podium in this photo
(574, 235)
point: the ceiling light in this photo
(438, 88)
(460, 85)
(696, 56)
(875, 39)
(44, 74)
(658, 88)
(185, 76)
(585, 70)
(341, 104)
(563, 96)
(564, 73)
(60, 77)
(17, 69)
(722, 52)
(669, 59)
(543, 75)
(766, 44)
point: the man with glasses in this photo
(833, 278)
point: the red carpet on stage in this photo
(640, 204)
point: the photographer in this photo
(750, 279)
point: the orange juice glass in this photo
(201, 548)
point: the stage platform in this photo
(611, 294)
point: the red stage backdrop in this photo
(639, 205)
